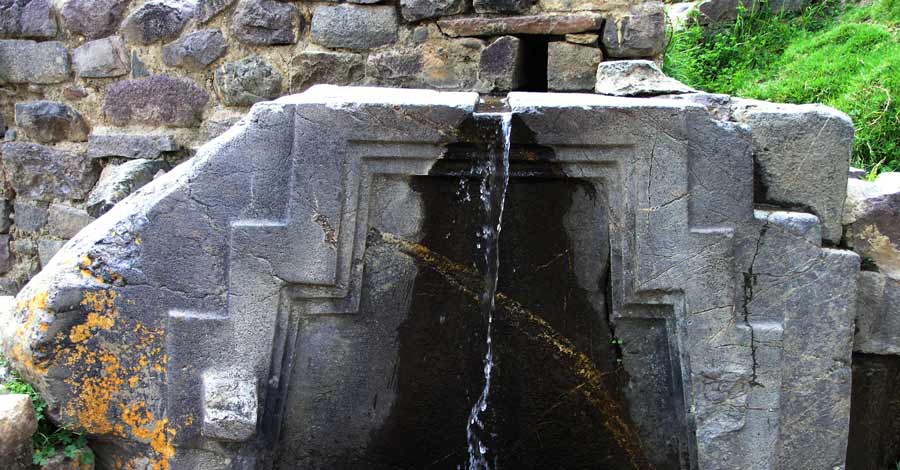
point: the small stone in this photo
(40, 63)
(17, 423)
(6, 261)
(30, 216)
(5, 210)
(47, 248)
(138, 69)
(24, 247)
(101, 58)
(130, 145)
(45, 173)
(247, 81)
(354, 26)
(218, 122)
(265, 22)
(415, 10)
(636, 78)
(336, 68)
(571, 67)
(555, 25)
(93, 19)
(639, 34)
(50, 121)
(871, 221)
(196, 50)
(74, 92)
(66, 221)
(207, 9)
(501, 65)
(229, 407)
(585, 39)
(26, 19)
(501, 6)
(155, 100)
(155, 21)
(857, 173)
(118, 181)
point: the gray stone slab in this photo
(51, 121)
(29, 216)
(572, 67)
(155, 100)
(265, 22)
(635, 78)
(416, 10)
(27, 19)
(357, 27)
(118, 181)
(196, 50)
(135, 146)
(40, 63)
(101, 58)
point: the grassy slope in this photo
(846, 56)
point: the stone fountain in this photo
(362, 278)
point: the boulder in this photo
(196, 50)
(39, 63)
(336, 68)
(118, 181)
(17, 423)
(93, 19)
(265, 22)
(155, 100)
(101, 58)
(572, 67)
(45, 173)
(247, 81)
(51, 121)
(639, 34)
(359, 27)
(635, 78)
(872, 221)
(27, 19)
(156, 20)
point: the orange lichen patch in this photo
(91, 406)
(133, 381)
(161, 442)
(102, 316)
(138, 417)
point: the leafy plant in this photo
(844, 55)
(48, 437)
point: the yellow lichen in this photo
(161, 442)
(137, 416)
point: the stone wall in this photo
(87, 86)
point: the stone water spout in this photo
(360, 278)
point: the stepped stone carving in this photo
(304, 291)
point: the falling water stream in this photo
(494, 174)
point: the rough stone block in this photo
(40, 63)
(802, 153)
(639, 34)
(44, 173)
(445, 64)
(501, 6)
(416, 10)
(358, 27)
(229, 406)
(130, 145)
(6, 261)
(101, 58)
(93, 19)
(585, 39)
(155, 21)
(26, 19)
(207, 9)
(155, 100)
(401, 68)
(265, 22)
(247, 81)
(556, 25)
(571, 67)
(17, 423)
(218, 122)
(66, 221)
(50, 121)
(196, 50)
(29, 216)
(118, 181)
(47, 249)
(5, 209)
(872, 221)
(877, 314)
(500, 67)
(336, 68)
(635, 78)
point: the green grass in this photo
(49, 437)
(846, 56)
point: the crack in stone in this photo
(749, 281)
